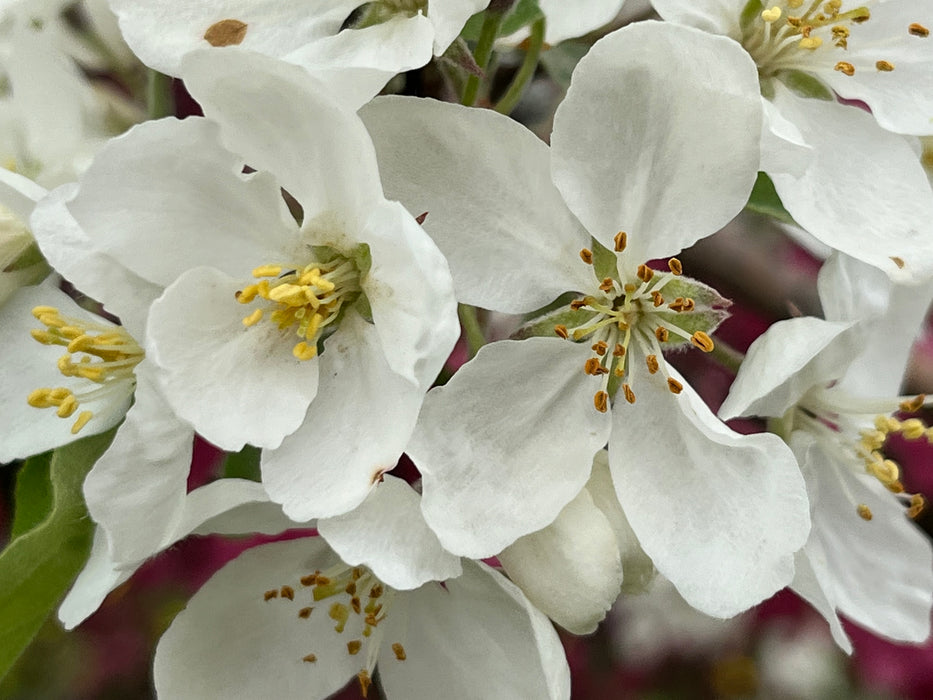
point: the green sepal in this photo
(706, 320)
(243, 464)
(750, 13)
(33, 495)
(805, 85)
(362, 257)
(705, 296)
(523, 13)
(364, 308)
(38, 567)
(30, 255)
(543, 325)
(605, 261)
(764, 199)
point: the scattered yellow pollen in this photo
(674, 386)
(365, 681)
(621, 240)
(83, 419)
(399, 651)
(675, 266)
(600, 348)
(913, 405)
(629, 394)
(269, 595)
(304, 352)
(267, 271)
(305, 613)
(226, 32)
(845, 67)
(586, 255)
(662, 334)
(253, 318)
(652, 362)
(884, 66)
(917, 29)
(702, 341)
(601, 401)
(898, 261)
(864, 511)
(353, 647)
(811, 42)
(310, 658)
(562, 331)
(644, 273)
(772, 15)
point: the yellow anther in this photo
(83, 418)
(399, 651)
(39, 398)
(600, 347)
(886, 471)
(577, 304)
(917, 504)
(67, 407)
(887, 424)
(309, 659)
(917, 29)
(356, 605)
(43, 337)
(95, 374)
(913, 405)
(339, 613)
(674, 386)
(864, 511)
(601, 401)
(562, 331)
(810, 42)
(40, 311)
(772, 15)
(247, 294)
(593, 367)
(269, 595)
(586, 255)
(354, 646)
(304, 352)
(607, 285)
(658, 300)
(873, 439)
(884, 66)
(644, 273)
(620, 241)
(675, 266)
(618, 350)
(845, 68)
(702, 341)
(313, 325)
(290, 294)
(653, 364)
(913, 428)
(253, 318)
(376, 591)
(629, 394)
(267, 271)
(305, 613)
(287, 592)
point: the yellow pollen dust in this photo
(101, 354)
(306, 299)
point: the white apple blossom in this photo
(351, 46)
(567, 20)
(833, 384)
(838, 169)
(314, 340)
(510, 440)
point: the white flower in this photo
(297, 619)
(509, 441)
(352, 47)
(20, 262)
(567, 20)
(314, 340)
(840, 174)
(834, 392)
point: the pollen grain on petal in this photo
(226, 32)
(845, 68)
(864, 512)
(884, 66)
(917, 29)
(399, 651)
(601, 401)
(586, 255)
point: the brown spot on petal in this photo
(898, 261)
(226, 32)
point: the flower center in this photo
(104, 356)
(649, 310)
(358, 603)
(307, 299)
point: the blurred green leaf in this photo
(33, 499)
(764, 200)
(37, 568)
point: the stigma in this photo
(306, 301)
(100, 360)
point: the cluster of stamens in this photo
(780, 39)
(102, 354)
(361, 604)
(627, 313)
(307, 299)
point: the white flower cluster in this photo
(268, 278)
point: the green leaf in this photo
(764, 200)
(243, 464)
(805, 85)
(750, 13)
(33, 499)
(523, 13)
(37, 568)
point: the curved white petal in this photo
(492, 209)
(714, 16)
(166, 197)
(213, 646)
(19, 193)
(507, 443)
(720, 514)
(475, 637)
(658, 136)
(864, 192)
(571, 569)
(568, 20)
(448, 18)
(411, 295)
(280, 119)
(234, 385)
(98, 577)
(355, 430)
(786, 361)
(388, 534)
(783, 147)
(806, 584)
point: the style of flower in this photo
(353, 47)
(839, 170)
(314, 340)
(509, 441)
(833, 397)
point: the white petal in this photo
(136, 490)
(448, 18)
(571, 569)
(411, 295)
(806, 585)
(485, 184)
(235, 385)
(783, 148)
(98, 577)
(658, 136)
(786, 361)
(388, 534)
(166, 197)
(568, 20)
(714, 16)
(355, 430)
(230, 642)
(507, 443)
(864, 192)
(278, 118)
(476, 637)
(720, 514)
(19, 193)
(878, 573)
(30, 365)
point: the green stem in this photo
(159, 99)
(513, 95)
(727, 356)
(471, 328)
(492, 22)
